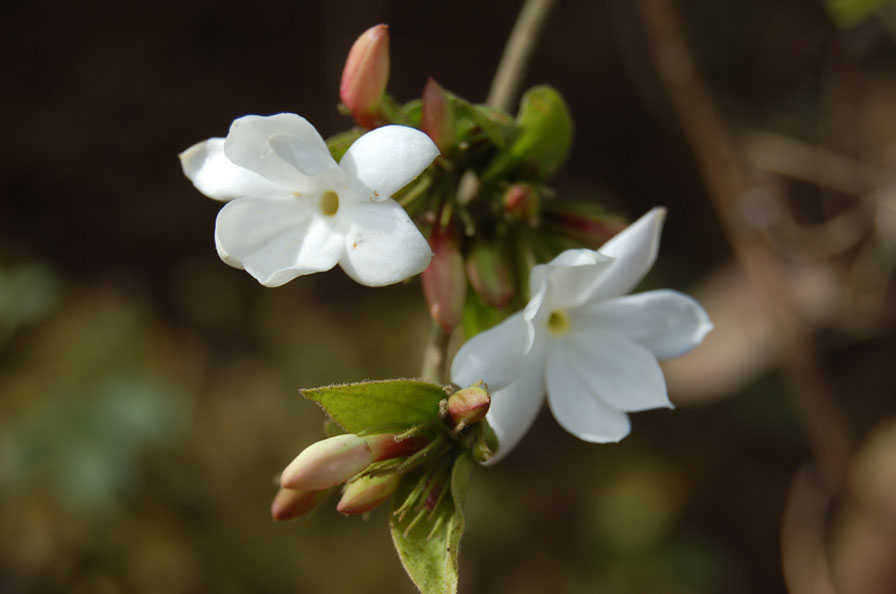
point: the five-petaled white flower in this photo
(293, 210)
(591, 348)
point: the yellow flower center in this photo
(558, 322)
(329, 203)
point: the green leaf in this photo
(386, 403)
(478, 317)
(496, 124)
(429, 549)
(847, 13)
(339, 143)
(546, 131)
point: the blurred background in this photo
(149, 393)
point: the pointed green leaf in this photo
(429, 549)
(546, 131)
(386, 403)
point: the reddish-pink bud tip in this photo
(469, 405)
(444, 280)
(437, 115)
(521, 202)
(365, 75)
(289, 504)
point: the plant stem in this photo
(505, 86)
(433, 367)
(517, 52)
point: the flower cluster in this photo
(457, 192)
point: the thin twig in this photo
(433, 367)
(728, 178)
(520, 45)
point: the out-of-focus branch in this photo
(729, 180)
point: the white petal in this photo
(634, 251)
(620, 373)
(666, 322)
(496, 356)
(217, 177)
(276, 240)
(382, 244)
(569, 277)
(575, 407)
(514, 409)
(386, 159)
(284, 149)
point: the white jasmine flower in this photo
(592, 349)
(293, 210)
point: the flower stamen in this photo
(329, 203)
(558, 322)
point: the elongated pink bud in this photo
(366, 493)
(489, 275)
(327, 463)
(444, 281)
(383, 445)
(365, 75)
(289, 504)
(437, 116)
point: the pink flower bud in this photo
(289, 504)
(437, 116)
(489, 275)
(365, 493)
(365, 75)
(583, 223)
(521, 203)
(444, 281)
(383, 446)
(469, 405)
(327, 463)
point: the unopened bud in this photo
(489, 275)
(327, 463)
(444, 281)
(437, 116)
(384, 446)
(469, 405)
(521, 203)
(582, 222)
(289, 503)
(365, 75)
(367, 492)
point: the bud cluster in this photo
(488, 183)
(371, 467)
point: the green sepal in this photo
(339, 143)
(546, 131)
(384, 403)
(846, 13)
(429, 549)
(497, 125)
(485, 443)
